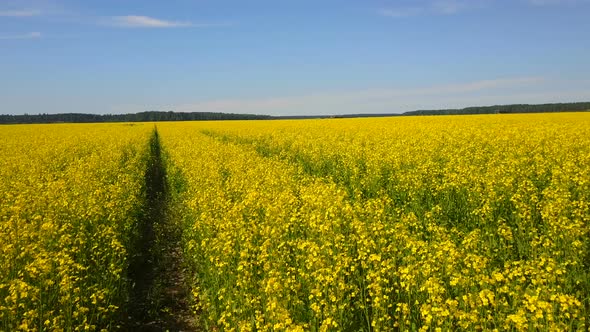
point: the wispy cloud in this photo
(556, 2)
(400, 12)
(433, 7)
(452, 7)
(30, 35)
(20, 13)
(509, 90)
(138, 21)
(449, 7)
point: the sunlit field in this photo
(69, 196)
(376, 224)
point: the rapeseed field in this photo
(69, 197)
(413, 223)
(376, 224)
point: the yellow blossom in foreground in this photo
(431, 223)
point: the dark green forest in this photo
(507, 109)
(203, 116)
(130, 117)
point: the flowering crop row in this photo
(465, 222)
(410, 223)
(69, 199)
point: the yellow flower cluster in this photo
(68, 199)
(410, 223)
(413, 223)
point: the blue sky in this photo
(290, 57)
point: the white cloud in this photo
(556, 2)
(30, 35)
(20, 13)
(434, 7)
(137, 21)
(401, 12)
(452, 7)
(483, 92)
(448, 7)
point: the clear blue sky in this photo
(290, 57)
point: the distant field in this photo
(377, 224)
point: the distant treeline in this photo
(202, 116)
(131, 117)
(507, 109)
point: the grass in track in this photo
(158, 299)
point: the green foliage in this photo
(509, 109)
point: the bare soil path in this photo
(159, 296)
